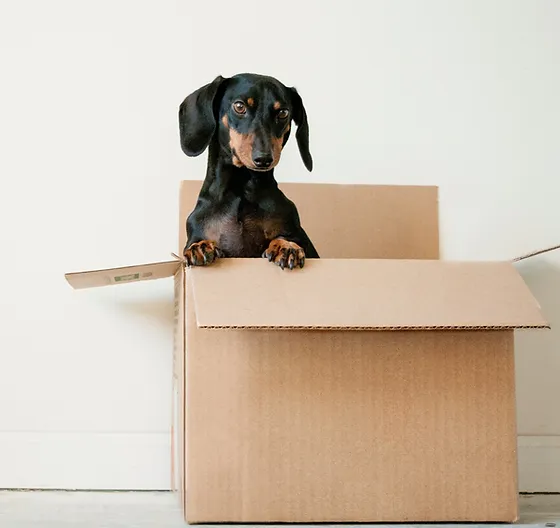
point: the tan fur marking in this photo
(201, 253)
(251, 101)
(242, 145)
(225, 121)
(277, 147)
(285, 254)
(277, 105)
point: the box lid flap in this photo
(122, 275)
(537, 252)
(364, 294)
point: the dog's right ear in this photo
(197, 118)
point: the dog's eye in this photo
(283, 114)
(239, 107)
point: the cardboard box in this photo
(374, 385)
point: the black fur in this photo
(244, 121)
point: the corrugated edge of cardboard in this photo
(377, 328)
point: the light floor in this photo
(65, 509)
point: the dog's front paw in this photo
(202, 253)
(285, 254)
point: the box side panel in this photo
(304, 426)
(179, 404)
(373, 221)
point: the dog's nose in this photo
(262, 160)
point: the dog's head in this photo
(250, 115)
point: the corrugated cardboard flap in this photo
(363, 294)
(537, 252)
(123, 275)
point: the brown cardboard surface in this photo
(122, 275)
(342, 426)
(308, 426)
(334, 425)
(364, 294)
(355, 221)
(179, 380)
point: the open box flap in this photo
(364, 294)
(122, 275)
(536, 252)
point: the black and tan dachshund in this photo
(244, 121)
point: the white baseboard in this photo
(539, 464)
(142, 461)
(114, 461)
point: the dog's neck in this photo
(223, 177)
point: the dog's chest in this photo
(243, 234)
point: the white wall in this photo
(460, 94)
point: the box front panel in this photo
(350, 426)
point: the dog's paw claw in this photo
(285, 254)
(202, 253)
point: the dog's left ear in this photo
(197, 118)
(302, 134)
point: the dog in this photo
(244, 121)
